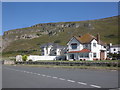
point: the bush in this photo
(57, 41)
(24, 57)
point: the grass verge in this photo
(73, 67)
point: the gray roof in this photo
(55, 46)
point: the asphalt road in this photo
(41, 77)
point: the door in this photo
(71, 56)
(102, 55)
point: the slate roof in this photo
(55, 46)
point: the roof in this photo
(81, 51)
(55, 46)
(87, 38)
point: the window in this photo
(71, 56)
(86, 55)
(81, 55)
(86, 46)
(74, 45)
(94, 44)
(94, 55)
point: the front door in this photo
(71, 56)
(102, 55)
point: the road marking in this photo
(48, 76)
(61, 79)
(70, 80)
(43, 75)
(27, 72)
(95, 86)
(35, 73)
(55, 77)
(31, 72)
(82, 83)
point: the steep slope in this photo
(28, 40)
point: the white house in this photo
(114, 49)
(86, 47)
(52, 49)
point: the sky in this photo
(24, 14)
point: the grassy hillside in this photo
(107, 28)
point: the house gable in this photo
(73, 40)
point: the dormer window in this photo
(86, 46)
(74, 45)
(94, 44)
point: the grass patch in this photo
(78, 61)
(74, 67)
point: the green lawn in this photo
(74, 67)
(77, 61)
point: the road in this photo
(41, 77)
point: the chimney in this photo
(110, 44)
(79, 36)
(98, 38)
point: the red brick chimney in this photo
(98, 38)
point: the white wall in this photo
(36, 58)
(116, 50)
(79, 46)
(19, 58)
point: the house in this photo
(114, 48)
(52, 49)
(86, 47)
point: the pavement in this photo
(42, 77)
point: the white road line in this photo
(48, 76)
(61, 79)
(27, 72)
(70, 80)
(82, 83)
(95, 86)
(31, 72)
(55, 77)
(35, 73)
(43, 75)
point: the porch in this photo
(79, 56)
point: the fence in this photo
(109, 64)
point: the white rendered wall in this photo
(116, 51)
(79, 46)
(36, 58)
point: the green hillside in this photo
(107, 28)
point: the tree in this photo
(24, 57)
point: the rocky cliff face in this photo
(61, 31)
(38, 30)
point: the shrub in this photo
(24, 57)
(57, 41)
